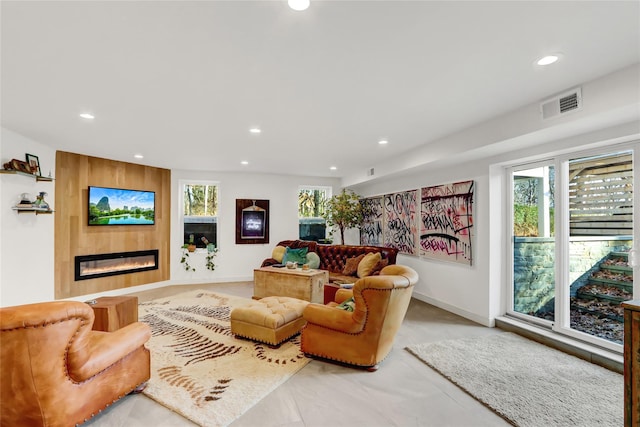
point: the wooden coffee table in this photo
(307, 285)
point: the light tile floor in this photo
(403, 392)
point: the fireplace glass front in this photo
(101, 265)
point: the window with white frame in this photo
(571, 228)
(200, 213)
(311, 207)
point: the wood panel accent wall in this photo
(73, 236)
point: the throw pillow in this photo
(347, 305)
(379, 266)
(278, 253)
(351, 266)
(313, 260)
(295, 255)
(368, 262)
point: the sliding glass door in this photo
(572, 231)
(600, 236)
(533, 229)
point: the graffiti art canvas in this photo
(371, 229)
(446, 222)
(399, 228)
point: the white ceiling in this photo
(183, 82)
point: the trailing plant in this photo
(212, 251)
(185, 258)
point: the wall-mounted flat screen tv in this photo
(118, 206)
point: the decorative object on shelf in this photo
(25, 201)
(40, 203)
(39, 206)
(18, 165)
(344, 211)
(34, 164)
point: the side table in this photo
(113, 313)
(331, 289)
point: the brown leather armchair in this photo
(365, 336)
(56, 371)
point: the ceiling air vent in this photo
(561, 104)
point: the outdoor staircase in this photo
(606, 288)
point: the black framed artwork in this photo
(252, 221)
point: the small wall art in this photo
(446, 222)
(252, 221)
(34, 164)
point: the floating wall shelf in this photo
(34, 210)
(29, 175)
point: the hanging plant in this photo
(185, 258)
(212, 251)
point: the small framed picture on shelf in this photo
(34, 164)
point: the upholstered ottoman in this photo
(271, 320)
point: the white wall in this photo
(611, 114)
(455, 287)
(237, 262)
(26, 239)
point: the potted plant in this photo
(191, 247)
(343, 211)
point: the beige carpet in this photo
(199, 369)
(527, 383)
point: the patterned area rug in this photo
(527, 383)
(199, 369)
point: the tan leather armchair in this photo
(365, 336)
(56, 371)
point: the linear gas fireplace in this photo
(93, 266)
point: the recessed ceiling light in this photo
(87, 116)
(244, 162)
(383, 142)
(138, 156)
(333, 168)
(548, 60)
(255, 130)
(298, 5)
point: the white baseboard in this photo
(490, 323)
(149, 286)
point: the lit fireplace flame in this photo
(89, 268)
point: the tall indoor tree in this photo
(344, 211)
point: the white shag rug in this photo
(527, 383)
(198, 368)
